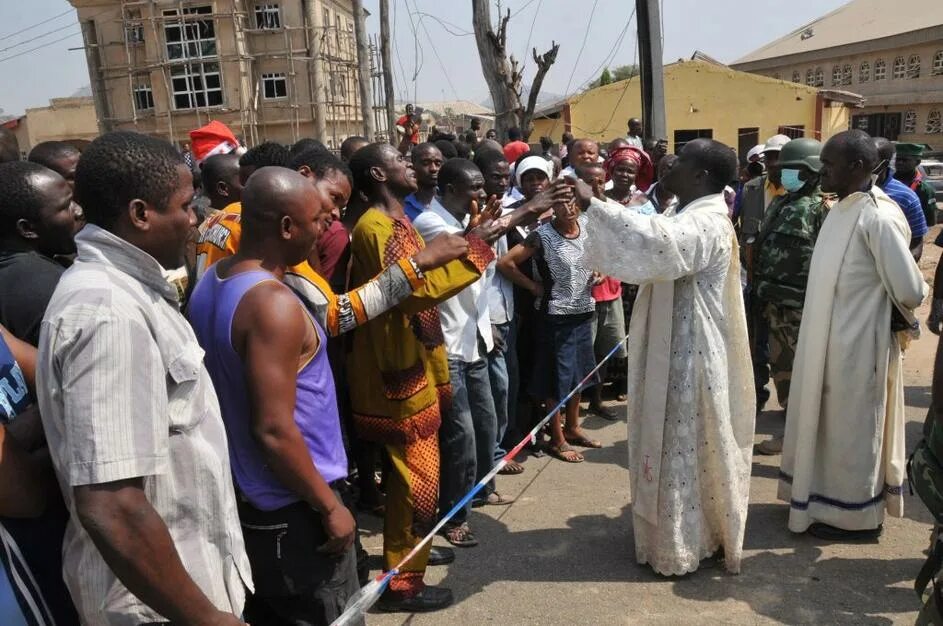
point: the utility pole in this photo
(363, 71)
(650, 61)
(316, 70)
(387, 71)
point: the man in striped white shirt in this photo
(132, 421)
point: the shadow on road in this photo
(795, 587)
(800, 588)
(918, 397)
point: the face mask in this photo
(790, 180)
(876, 172)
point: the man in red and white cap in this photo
(214, 138)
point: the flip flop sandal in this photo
(559, 452)
(512, 469)
(583, 442)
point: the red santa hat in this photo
(214, 138)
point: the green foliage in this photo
(608, 76)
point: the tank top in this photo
(211, 310)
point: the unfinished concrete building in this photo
(270, 70)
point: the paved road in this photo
(563, 553)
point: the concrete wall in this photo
(699, 96)
(65, 119)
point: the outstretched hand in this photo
(492, 211)
(558, 192)
(583, 193)
(488, 224)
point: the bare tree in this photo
(504, 74)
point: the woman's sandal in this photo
(565, 453)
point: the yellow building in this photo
(704, 99)
(65, 119)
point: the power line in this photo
(19, 54)
(404, 94)
(32, 39)
(521, 10)
(445, 24)
(530, 34)
(618, 102)
(589, 23)
(36, 25)
(418, 61)
(616, 47)
(436, 53)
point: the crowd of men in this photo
(209, 361)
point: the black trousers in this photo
(294, 583)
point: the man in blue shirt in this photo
(427, 161)
(900, 193)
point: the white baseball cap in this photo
(776, 143)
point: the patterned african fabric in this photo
(398, 359)
(398, 374)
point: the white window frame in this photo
(196, 76)
(274, 79)
(836, 75)
(913, 66)
(934, 122)
(142, 88)
(846, 74)
(268, 16)
(880, 70)
(909, 125)
(193, 42)
(819, 77)
(864, 72)
(937, 63)
(900, 68)
(796, 76)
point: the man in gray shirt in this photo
(129, 411)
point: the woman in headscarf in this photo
(631, 171)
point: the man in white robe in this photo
(844, 455)
(690, 380)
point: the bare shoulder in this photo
(270, 309)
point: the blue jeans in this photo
(467, 435)
(498, 371)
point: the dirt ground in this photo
(563, 552)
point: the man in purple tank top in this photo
(268, 361)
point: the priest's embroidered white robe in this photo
(844, 451)
(691, 402)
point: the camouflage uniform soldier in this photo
(908, 158)
(783, 252)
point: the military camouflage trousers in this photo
(783, 337)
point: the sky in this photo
(445, 65)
